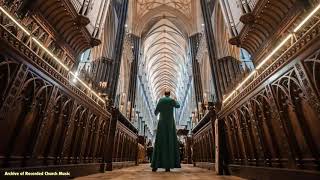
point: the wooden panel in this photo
(45, 120)
(42, 124)
(203, 142)
(276, 127)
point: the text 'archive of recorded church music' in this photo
(36, 173)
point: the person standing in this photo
(166, 149)
(149, 151)
(181, 150)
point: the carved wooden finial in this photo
(235, 41)
(82, 20)
(247, 18)
(95, 42)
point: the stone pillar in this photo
(207, 8)
(121, 7)
(134, 73)
(194, 41)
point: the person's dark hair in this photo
(167, 93)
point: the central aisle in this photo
(143, 172)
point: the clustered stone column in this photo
(121, 7)
(133, 73)
(194, 41)
(207, 12)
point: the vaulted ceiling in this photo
(165, 56)
(164, 41)
(143, 6)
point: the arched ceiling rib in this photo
(162, 59)
(164, 49)
(162, 53)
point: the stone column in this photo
(207, 8)
(121, 7)
(194, 41)
(134, 73)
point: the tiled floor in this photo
(143, 172)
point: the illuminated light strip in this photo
(239, 86)
(85, 85)
(16, 22)
(52, 55)
(246, 79)
(229, 96)
(273, 52)
(307, 18)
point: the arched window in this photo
(85, 61)
(246, 60)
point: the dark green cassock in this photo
(166, 150)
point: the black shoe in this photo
(167, 169)
(154, 169)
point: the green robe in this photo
(166, 150)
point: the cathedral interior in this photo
(80, 80)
